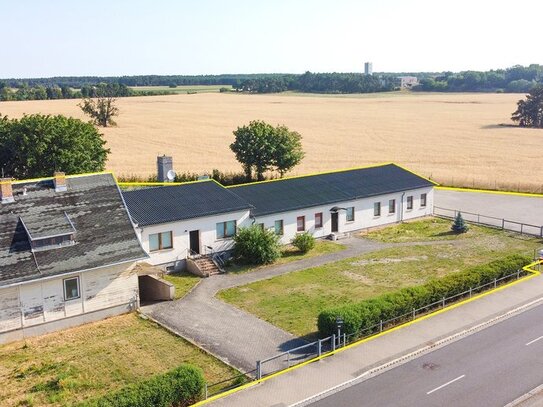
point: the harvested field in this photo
(453, 138)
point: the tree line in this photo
(515, 79)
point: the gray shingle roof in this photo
(151, 206)
(322, 189)
(105, 235)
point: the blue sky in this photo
(120, 37)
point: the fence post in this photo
(518, 274)
(333, 342)
(443, 303)
(258, 370)
(381, 326)
(495, 282)
(478, 218)
(414, 313)
(319, 348)
(344, 339)
(503, 224)
(288, 359)
(541, 231)
(206, 394)
(521, 225)
(470, 292)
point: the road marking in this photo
(535, 340)
(446, 384)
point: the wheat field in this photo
(455, 139)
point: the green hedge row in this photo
(368, 313)
(181, 386)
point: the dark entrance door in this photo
(195, 241)
(334, 222)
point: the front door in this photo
(334, 222)
(195, 241)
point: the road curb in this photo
(424, 350)
(526, 396)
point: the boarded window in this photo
(318, 220)
(300, 223)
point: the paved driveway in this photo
(512, 207)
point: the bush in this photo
(181, 386)
(368, 313)
(256, 245)
(304, 242)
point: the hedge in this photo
(181, 386)
(368, 313)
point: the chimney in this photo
(60, 182)
(6, 190)
(164, 164)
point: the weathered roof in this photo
(92, 203)
(151, 206)
(321, 189)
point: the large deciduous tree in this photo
(101, 110)
(37, 145)
(261, 147)
(529, 112)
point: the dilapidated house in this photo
(67, 253)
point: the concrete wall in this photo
(153, 288)
(40, 305)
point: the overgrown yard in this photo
(84, 362)
(293, 301)
(290, 253)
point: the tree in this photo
(530, 111)
(253, 148)
(262, 147)
(257, 245)
(459, 226)
(288, 149)
(102, 110)
(38, 145)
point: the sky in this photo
(41, 38)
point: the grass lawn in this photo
(293, 301)
(183, 282)
(66, 367)
(290, 253)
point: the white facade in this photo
(36, 307)
(364, 217)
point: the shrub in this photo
(304, 242)
(181, 386)
(256, 245)
(459, 226)
(368, 313)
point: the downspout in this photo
(401, 205)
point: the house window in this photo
(71, 288)
(279, 227)
(160, 241)
(318, 220)
(350, 214)
(226, 229)
(423, 200)
(377, 209)
(392, 206)
(300, 223)
(409, 203)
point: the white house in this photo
(67, 253)
(202, 217)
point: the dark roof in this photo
(303, 192)
(92, 203)
(151, 206)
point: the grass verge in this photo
(183, 282)
(66, 367)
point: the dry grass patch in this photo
(65, 367)
(454, 138)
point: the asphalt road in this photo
(490, 368)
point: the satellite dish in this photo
(170, 175)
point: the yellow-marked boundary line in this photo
(530, 268)
(489, 191)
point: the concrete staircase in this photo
(202, 266)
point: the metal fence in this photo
(500, 223)
(322, 346)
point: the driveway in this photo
(232, 335)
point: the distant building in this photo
(368, 68)
(407, 82)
